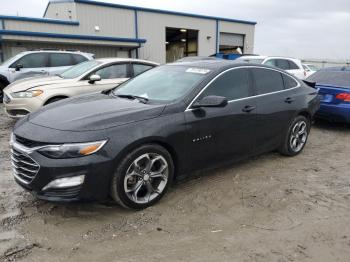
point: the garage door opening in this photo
(231, 43)
(180, 43)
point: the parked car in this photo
(176, 118)
(28, 95)
(196, 58)
(334, 89)
(38, 63)
(310, 69)
(291, 65)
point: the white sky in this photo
(299, 28)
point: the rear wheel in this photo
(143, 177)
(296, 136)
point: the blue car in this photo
(334, 89)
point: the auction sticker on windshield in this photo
(201, 71)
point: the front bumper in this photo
(337, 113)
(97, 169)
(19, 107)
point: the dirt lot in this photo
(270, 208)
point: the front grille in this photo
(27, 142)
(24, 167)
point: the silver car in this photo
(28, 95)
(38, 63)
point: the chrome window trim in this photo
(245, 98)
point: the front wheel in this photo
(143, 177)
(296, 136)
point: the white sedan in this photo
(30, 94)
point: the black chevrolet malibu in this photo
(131, 143)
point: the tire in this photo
(2, 86)
(296, 136)
(142, 177)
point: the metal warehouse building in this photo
(107, 30)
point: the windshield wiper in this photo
(59, 75)
(140, 98)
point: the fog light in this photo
(65, 182)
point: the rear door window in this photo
(271, 62)
(113, 71)
(283, 64)
(58, 59)
(35, 60)
(267, 80)
(234, 84)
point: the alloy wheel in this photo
(146, 178)
(298, 136)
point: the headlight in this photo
(72, 150)
(27, 94)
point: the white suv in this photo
(291, 65)
(38, 63)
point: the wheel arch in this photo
(306, 114)
(55, 97)
(151, 140)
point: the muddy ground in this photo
(270, 208)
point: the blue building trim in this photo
(90, 2)
(136, 31)
(68, 36)
(39, 20)
(217, 37)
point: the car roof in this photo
(217, 64)
(53, 51)
(113, 60)
(265, 57)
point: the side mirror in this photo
(94, 78)
(211, 101)
(18, 67)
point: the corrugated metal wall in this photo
(117, 22)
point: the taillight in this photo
(343, 96)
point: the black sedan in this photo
(131, 143)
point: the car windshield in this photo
(79, 69)
(163, 84)
(251, 60)
(332, 78)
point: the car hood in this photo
(35, 82)
(93, 112)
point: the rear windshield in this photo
(332, 78)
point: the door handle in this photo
(248, 109)
(289, 100)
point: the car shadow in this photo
(331, 126)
